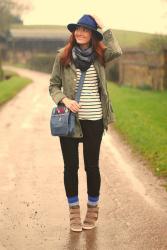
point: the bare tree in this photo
(10, 12)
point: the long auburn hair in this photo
(98, 47)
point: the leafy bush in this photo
(41, 62)
(144, 86)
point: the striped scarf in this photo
(83, 58)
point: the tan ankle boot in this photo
(75, 218)
(91, 217)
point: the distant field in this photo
(39, 27)
(125, 38)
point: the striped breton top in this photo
(91, 108)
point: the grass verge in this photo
(141, 118)
(9, 88)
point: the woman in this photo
(84, 51)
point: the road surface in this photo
(34, 210)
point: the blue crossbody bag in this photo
(62, 121)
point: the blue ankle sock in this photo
(73, 200)
(93, 200)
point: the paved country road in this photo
(33, 206)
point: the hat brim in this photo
(72, 26)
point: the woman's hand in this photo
(71, 104)
(100, 24)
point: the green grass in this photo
(141, 117)
(9, 88)
(131, 38)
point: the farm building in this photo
(27, 42)
(136, 67)
(141, 68)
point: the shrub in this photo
(41, 62)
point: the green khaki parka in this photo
(63, 81)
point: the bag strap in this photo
(80, 85)
(78, 94)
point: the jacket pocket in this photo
(111, 114)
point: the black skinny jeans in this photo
(92, 136)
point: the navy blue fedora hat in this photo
(88, 22)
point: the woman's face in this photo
(83, 36)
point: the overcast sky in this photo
(136, 15)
